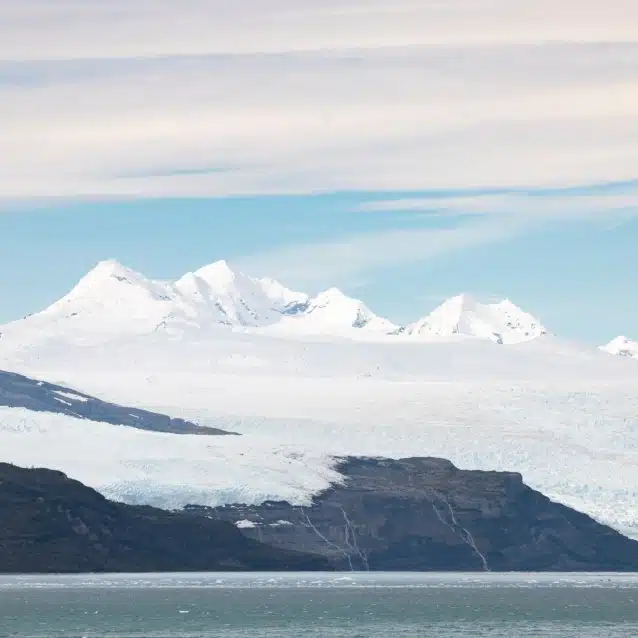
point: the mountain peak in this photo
(334, 310)
(501, 322)
(111, 268)
(104, 277)
(333, 294)
(219, 273)
(622, 346)
(461, 301)
(110, 298)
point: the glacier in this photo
(563, 414)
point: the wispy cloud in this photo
(474, 220)
(80, 29)
(568, 204)
(151, 97)
(345, 260)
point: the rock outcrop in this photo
(18, 391)
(419, 514)
(50, 523)
(426, 514)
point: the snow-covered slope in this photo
(165, 470)
(109, 303)
(502, 322)
(112, 301)
(563, 416)
(332, 312)
(110, 298)
(213, 348)
(623, 347)
(216, 293)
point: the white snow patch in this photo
(245, 524)
(71, 395)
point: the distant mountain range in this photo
(113, 300)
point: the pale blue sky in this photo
(577, 274)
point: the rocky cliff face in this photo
(408, 514)
(426, 514)
(50, 523)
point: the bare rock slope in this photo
(50, 523)
(18, 391)
(426, 514)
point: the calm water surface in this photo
(320, 605)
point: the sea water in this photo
(358, 605)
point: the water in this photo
(378, 605)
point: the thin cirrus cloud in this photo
(476, 219)
(555, 205)
(208, 98)
(344, 260)
(71, 29)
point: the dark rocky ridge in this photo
(50, 523)
(425, 514)
(18, 391)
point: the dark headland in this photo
(410, 514)
(426, 514)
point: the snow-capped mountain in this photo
(112, 292)
(218, 294)
(560, 413)
(623, 347)
(333, 312)
(115, 300)
(501, 322)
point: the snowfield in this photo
(569, 426)
(159, 469)
(562, 414)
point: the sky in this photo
(402, 150)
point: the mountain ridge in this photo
(114, 298)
